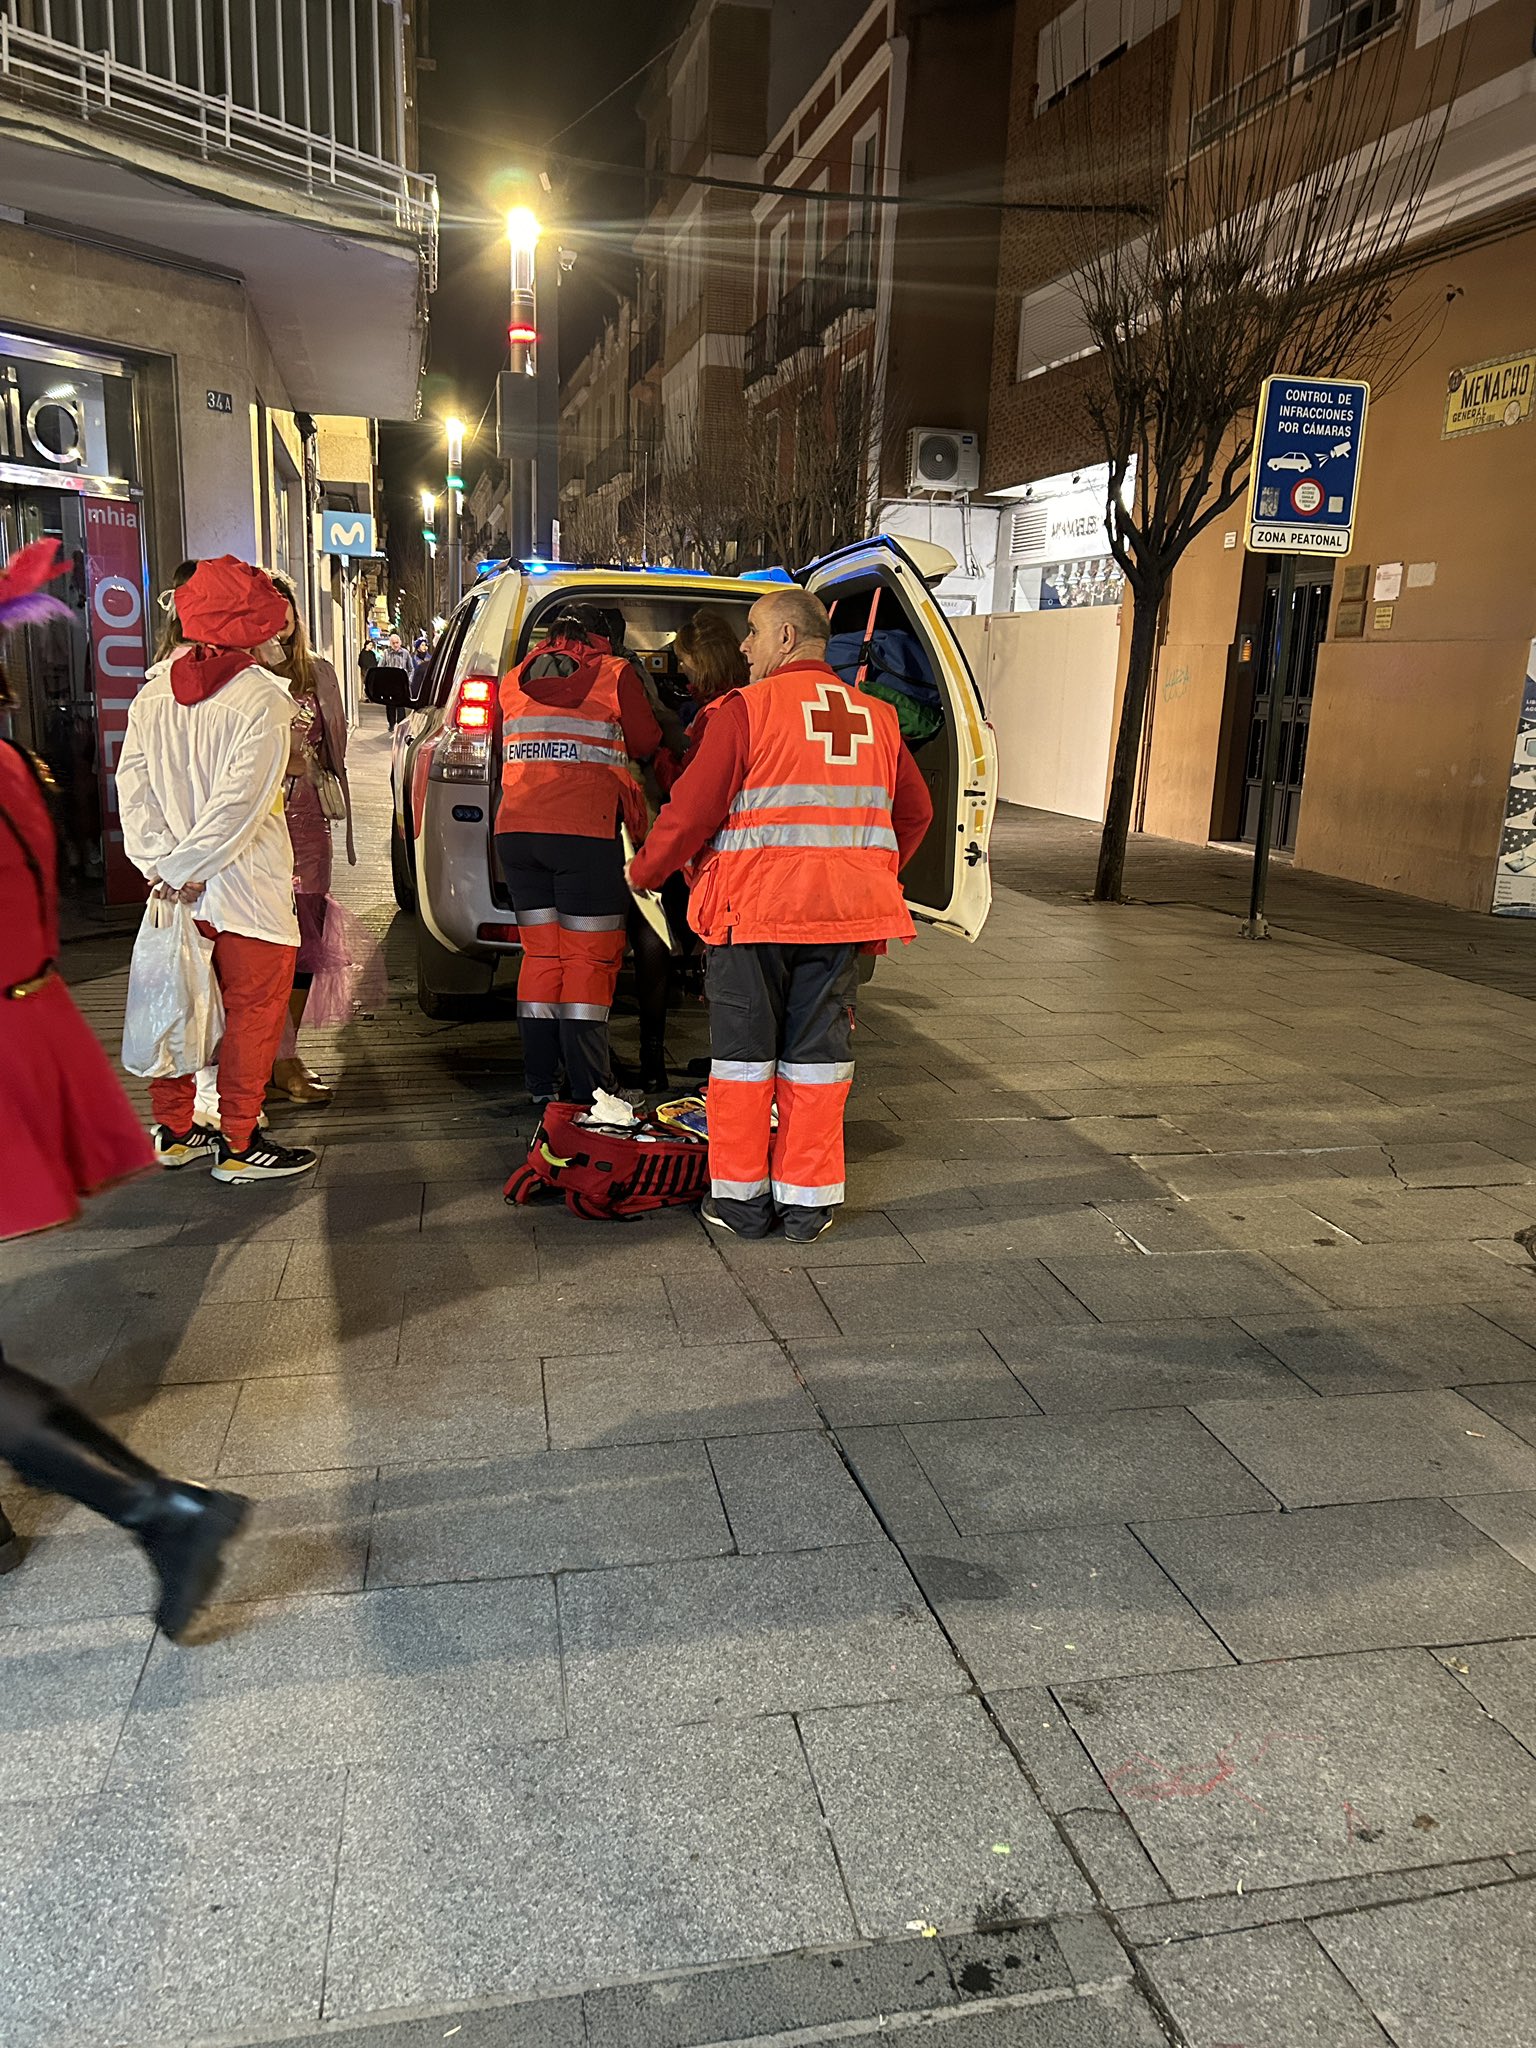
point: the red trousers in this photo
(255, 979)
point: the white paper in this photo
(1421, 575)
(1389, 583)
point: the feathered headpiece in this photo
(23, 600)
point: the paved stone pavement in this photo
(1089, 1600)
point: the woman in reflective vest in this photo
(799, 811)
(573, 717)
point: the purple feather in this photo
(31, 609)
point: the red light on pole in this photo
(521, 333)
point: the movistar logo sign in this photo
(347, 533)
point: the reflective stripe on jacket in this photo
(557, 758)
(808, 853)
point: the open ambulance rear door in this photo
(876, 586)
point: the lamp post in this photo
(455, 493)
(431, 545)
(523, 339)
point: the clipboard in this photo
(647, 901)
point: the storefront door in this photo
(1309, 622)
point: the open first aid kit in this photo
(608, 1164)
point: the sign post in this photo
(1301, 501)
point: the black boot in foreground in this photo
(182, 1529)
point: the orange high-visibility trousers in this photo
(781, 1036)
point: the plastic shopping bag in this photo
(175, 1016)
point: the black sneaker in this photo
(194, 1147)
(716, 1221)
(804, 1226)
(262, 1160)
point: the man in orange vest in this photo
(574, 715)
(799, 810)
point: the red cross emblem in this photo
(839, 724)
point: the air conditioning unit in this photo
(943, 459)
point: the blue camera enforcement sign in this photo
(1306, 466)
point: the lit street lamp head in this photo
(523, 229)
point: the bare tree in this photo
(813, 461)
(1276, 237)
(696, 513)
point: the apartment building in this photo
(601, 443)
(1405, 732)
(872, 305)
(215, 258)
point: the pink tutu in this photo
(346, 960)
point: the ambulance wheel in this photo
(523, 1186)
(401, 878)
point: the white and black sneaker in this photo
(193, 1147)
(262, 1159)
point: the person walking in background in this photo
(67, 1130)
(574, 715)
(421, 662)
(800, 807)
(199, 785)
(315, 790)
(391, 680)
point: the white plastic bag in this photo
(175, 1016)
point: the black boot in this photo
(10, 1546)
(182, 1529)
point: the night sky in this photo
(507, 77)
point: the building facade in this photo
(215, 258)
(1408, 700)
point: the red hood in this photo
(203, 671)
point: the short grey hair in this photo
(792, 606)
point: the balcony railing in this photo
(793, 324)
(1350, 30)
(847, 280)
(307, 95)
(613, 462)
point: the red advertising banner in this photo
(114, 584)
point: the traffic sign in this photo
(1306, 465)
(347, 533)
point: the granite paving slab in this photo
(1281, 1774)
(1228, 1912)
(781, 1632)
(910, 1379)
(580, 1862)
(1389, 1275)
(1513, 1405)
(1059, 1767)
(1123, 1874)
(1457, 1165)
(64, 1691)
(699, 1391)
(543, 1320)
(952, 1236)
(1387, 1351)
(870, 1302)
(710, 1307)
(1270, 1984)
(1042, 1471)
(1509, 1518)
(422, 1158)
(1454, 1972)
(1372, 1446)
(902, 1493)
(1391, 1574)
(181, 1429)
(1149, 1365)
(553, 1511)
(863, 1237)
(933, 1820)
(309, 1215)
(790, 1491)
(404, 1678)
(1116, 2018)
(460, 1263)
(1063, 1603)
(384, 1418)
(255, 1340)
(1502, 1677)
(160, 1914)
(1397, 1215)
(1171, 1285)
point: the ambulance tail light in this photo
(463, 751)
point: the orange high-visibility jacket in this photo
(807, 855)
(552, 756)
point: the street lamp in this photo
(523, 339)
(455, 486)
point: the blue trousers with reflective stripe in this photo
(571, 902)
